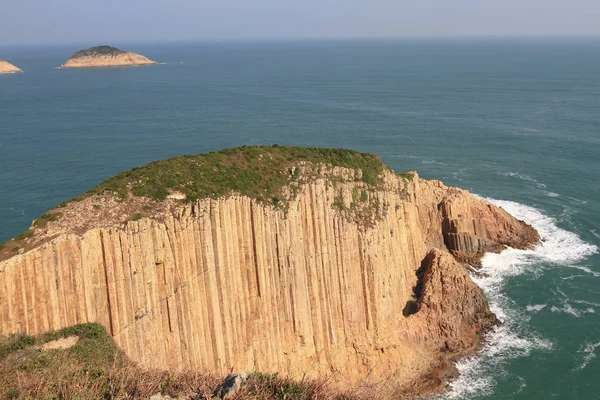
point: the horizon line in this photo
(305, 39)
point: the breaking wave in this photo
(513, 339)
(588, 350)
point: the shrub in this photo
(137, 217)
(406, 175)
(42, 221)
(364, 196)
(24, 235)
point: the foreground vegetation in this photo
(95, 368)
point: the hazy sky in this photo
(104, 21)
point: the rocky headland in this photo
(8, 68)
(105, 56)
(310, 263)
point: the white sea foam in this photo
(524, 177)
(552, 194)
(588, 303)
(568, 278)
(558, 245)
(585, 269)
(588, 350)
(535, 307)
(427, 161)
(577, 201)
(569, 309)
(512, 339)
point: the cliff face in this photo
(105, 56)
(8, 68)
(233, 284)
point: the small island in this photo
(106, 56)
(8, 68)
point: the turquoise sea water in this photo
(515, 121)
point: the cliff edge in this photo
(8, 68)
(306, 262)
(105, 56)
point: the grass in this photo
(95, 368)
(271, 386)
(21, 236)
(407, 175)
(137, 217)
(364, 196)
(42, 221)
(24, 235)
(260, 172)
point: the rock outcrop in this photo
(105, 56)
(312, 288)
(8, 68)
(232, 384)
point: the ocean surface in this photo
(516, 121)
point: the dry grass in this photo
(95, 368)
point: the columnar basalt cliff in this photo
(105, 56)
(8, 68)
(345, 277)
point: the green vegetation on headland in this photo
(95, 368)
(42, 221)
(259, 172)
(98, 51)
(263, 173)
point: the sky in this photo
(103, 21)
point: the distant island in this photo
(8, 68)
(105, 56)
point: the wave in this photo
(512, 339)
(569, 309)
(589, 353)
(535, 307)
(577, 201)
(566, 306)
(524, 177)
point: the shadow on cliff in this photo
(413, 306)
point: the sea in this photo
(514, 120)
